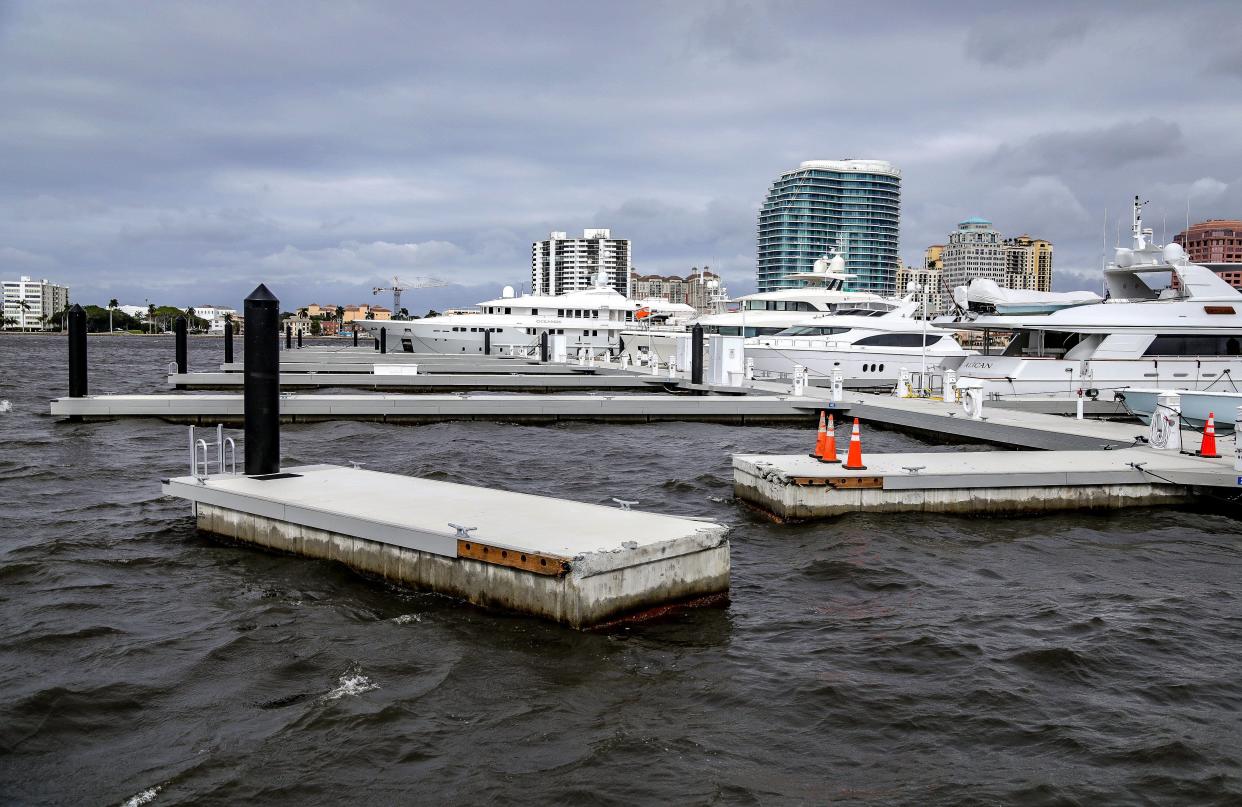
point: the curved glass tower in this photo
(822, 205)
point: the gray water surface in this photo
(1065, 659)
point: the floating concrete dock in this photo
(428, 382)
(798, 487)
(212, 408)
(578, 564)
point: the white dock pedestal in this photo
(575, 563)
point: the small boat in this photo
(1196, 404)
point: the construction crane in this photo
(399, 286)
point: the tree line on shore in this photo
(158, 319)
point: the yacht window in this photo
(595, 314)
(896, 340)
(1194, 345)
(474, 330)
(811, 330)
(508, 310)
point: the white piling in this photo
(949, 389)
(799, 380)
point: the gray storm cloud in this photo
(187, 151)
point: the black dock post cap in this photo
(261, 341)
(179, 328)
(77, 352)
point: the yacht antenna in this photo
(1104, 242)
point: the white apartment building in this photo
(215, 315)
(975, 249)
(42, 298)
(561, 264)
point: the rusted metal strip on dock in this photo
(840, 482)
(550, 565)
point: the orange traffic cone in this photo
(1208, 447)
(827, 450)
(853, 459)
(821, 437)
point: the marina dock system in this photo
(799, 487)
(578, 564)
(211, 408)
(430, 381)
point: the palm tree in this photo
(25, 307)
(112, 305)
(150, 316)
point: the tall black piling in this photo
(383, 340)
(262, 382)
(299, 338)
(355, 336)
(543, 347)
(288, 335)
(487, 343)
(180, 328)
(228, 341)
(696, 354)
(77, 352)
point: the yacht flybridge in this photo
(1187, 335)
(593, 318)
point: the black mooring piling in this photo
(383, 340)
(77, 352)
(180, 328)
(299, 338)
(487, 343)
(355, 336)
(228, 341)
(262, 382)
(696, 354)
(288, 336)
(543, 347)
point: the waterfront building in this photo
(360, 312)
(1028, 263)
(560, 265)
(825, 205)
(215, 316)
(975, 250)
(31, 304)
(1216, 243)
(695, 289)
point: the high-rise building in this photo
(826, 205)
(1215, 242)
(974, 251)
(694, 289)
(30, 304)
(560, 264)
(1028, 263)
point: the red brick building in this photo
(1214, 242)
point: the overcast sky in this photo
(184, 152)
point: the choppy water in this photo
(1084, 659)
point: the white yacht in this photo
(770, 312)
(593, 319)
(1185, 336)
(869, 348)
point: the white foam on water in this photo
(406, 619)
(145, 797)
(351, 683)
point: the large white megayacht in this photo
(1187, 336)
(767, 313)
(868, 348)
(592, 319)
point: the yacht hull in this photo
(1006, 376)
(859, 366)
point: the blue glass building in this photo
(822, 205)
